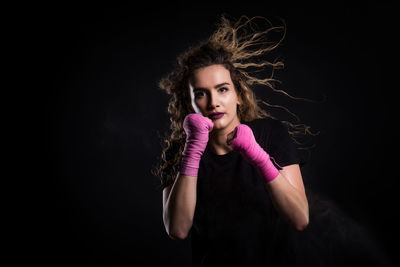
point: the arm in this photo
(179, 202)
(288, 196)
(285, 187)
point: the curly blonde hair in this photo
(238, 47)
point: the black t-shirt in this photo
(235, 223)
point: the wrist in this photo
(267, 170)
(190, 160)
(261, 160)
(189, 166)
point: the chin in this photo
(220, 124)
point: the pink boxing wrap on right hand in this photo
(197, 128)
(245, 142)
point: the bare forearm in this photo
(289, 202)
(179, 209)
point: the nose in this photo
(213, 101)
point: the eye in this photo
(198, 94)
(224, 88)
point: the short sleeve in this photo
(281, 147)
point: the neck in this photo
(218, 138)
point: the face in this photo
(211, 91)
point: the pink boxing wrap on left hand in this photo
(243, 140)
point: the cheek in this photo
(232, 103)
(200, 106)
(200, 102)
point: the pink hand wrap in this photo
(197, 128)
(246, 144)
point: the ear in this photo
(239, 101)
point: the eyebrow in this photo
(217, 86)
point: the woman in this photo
(231, 175)
(234, 187)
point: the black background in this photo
(105, 114)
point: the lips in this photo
(216, 115)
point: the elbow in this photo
(302, 224)
(176, 231)
(303, 220)
(177, 235)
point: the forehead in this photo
(210, 76)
